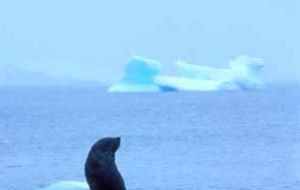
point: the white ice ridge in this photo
(68, 185)
(143, 75)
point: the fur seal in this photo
(101, 171)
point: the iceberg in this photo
(143, 75)
(138, 76)
(242, 74)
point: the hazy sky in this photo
(93, 39)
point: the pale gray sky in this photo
(93, 39)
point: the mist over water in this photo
(91, 41)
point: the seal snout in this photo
(116, 144)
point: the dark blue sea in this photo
(170, 141)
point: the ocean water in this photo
(170, 141)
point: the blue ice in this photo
(138, 76)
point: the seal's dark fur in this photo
(101, 171)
